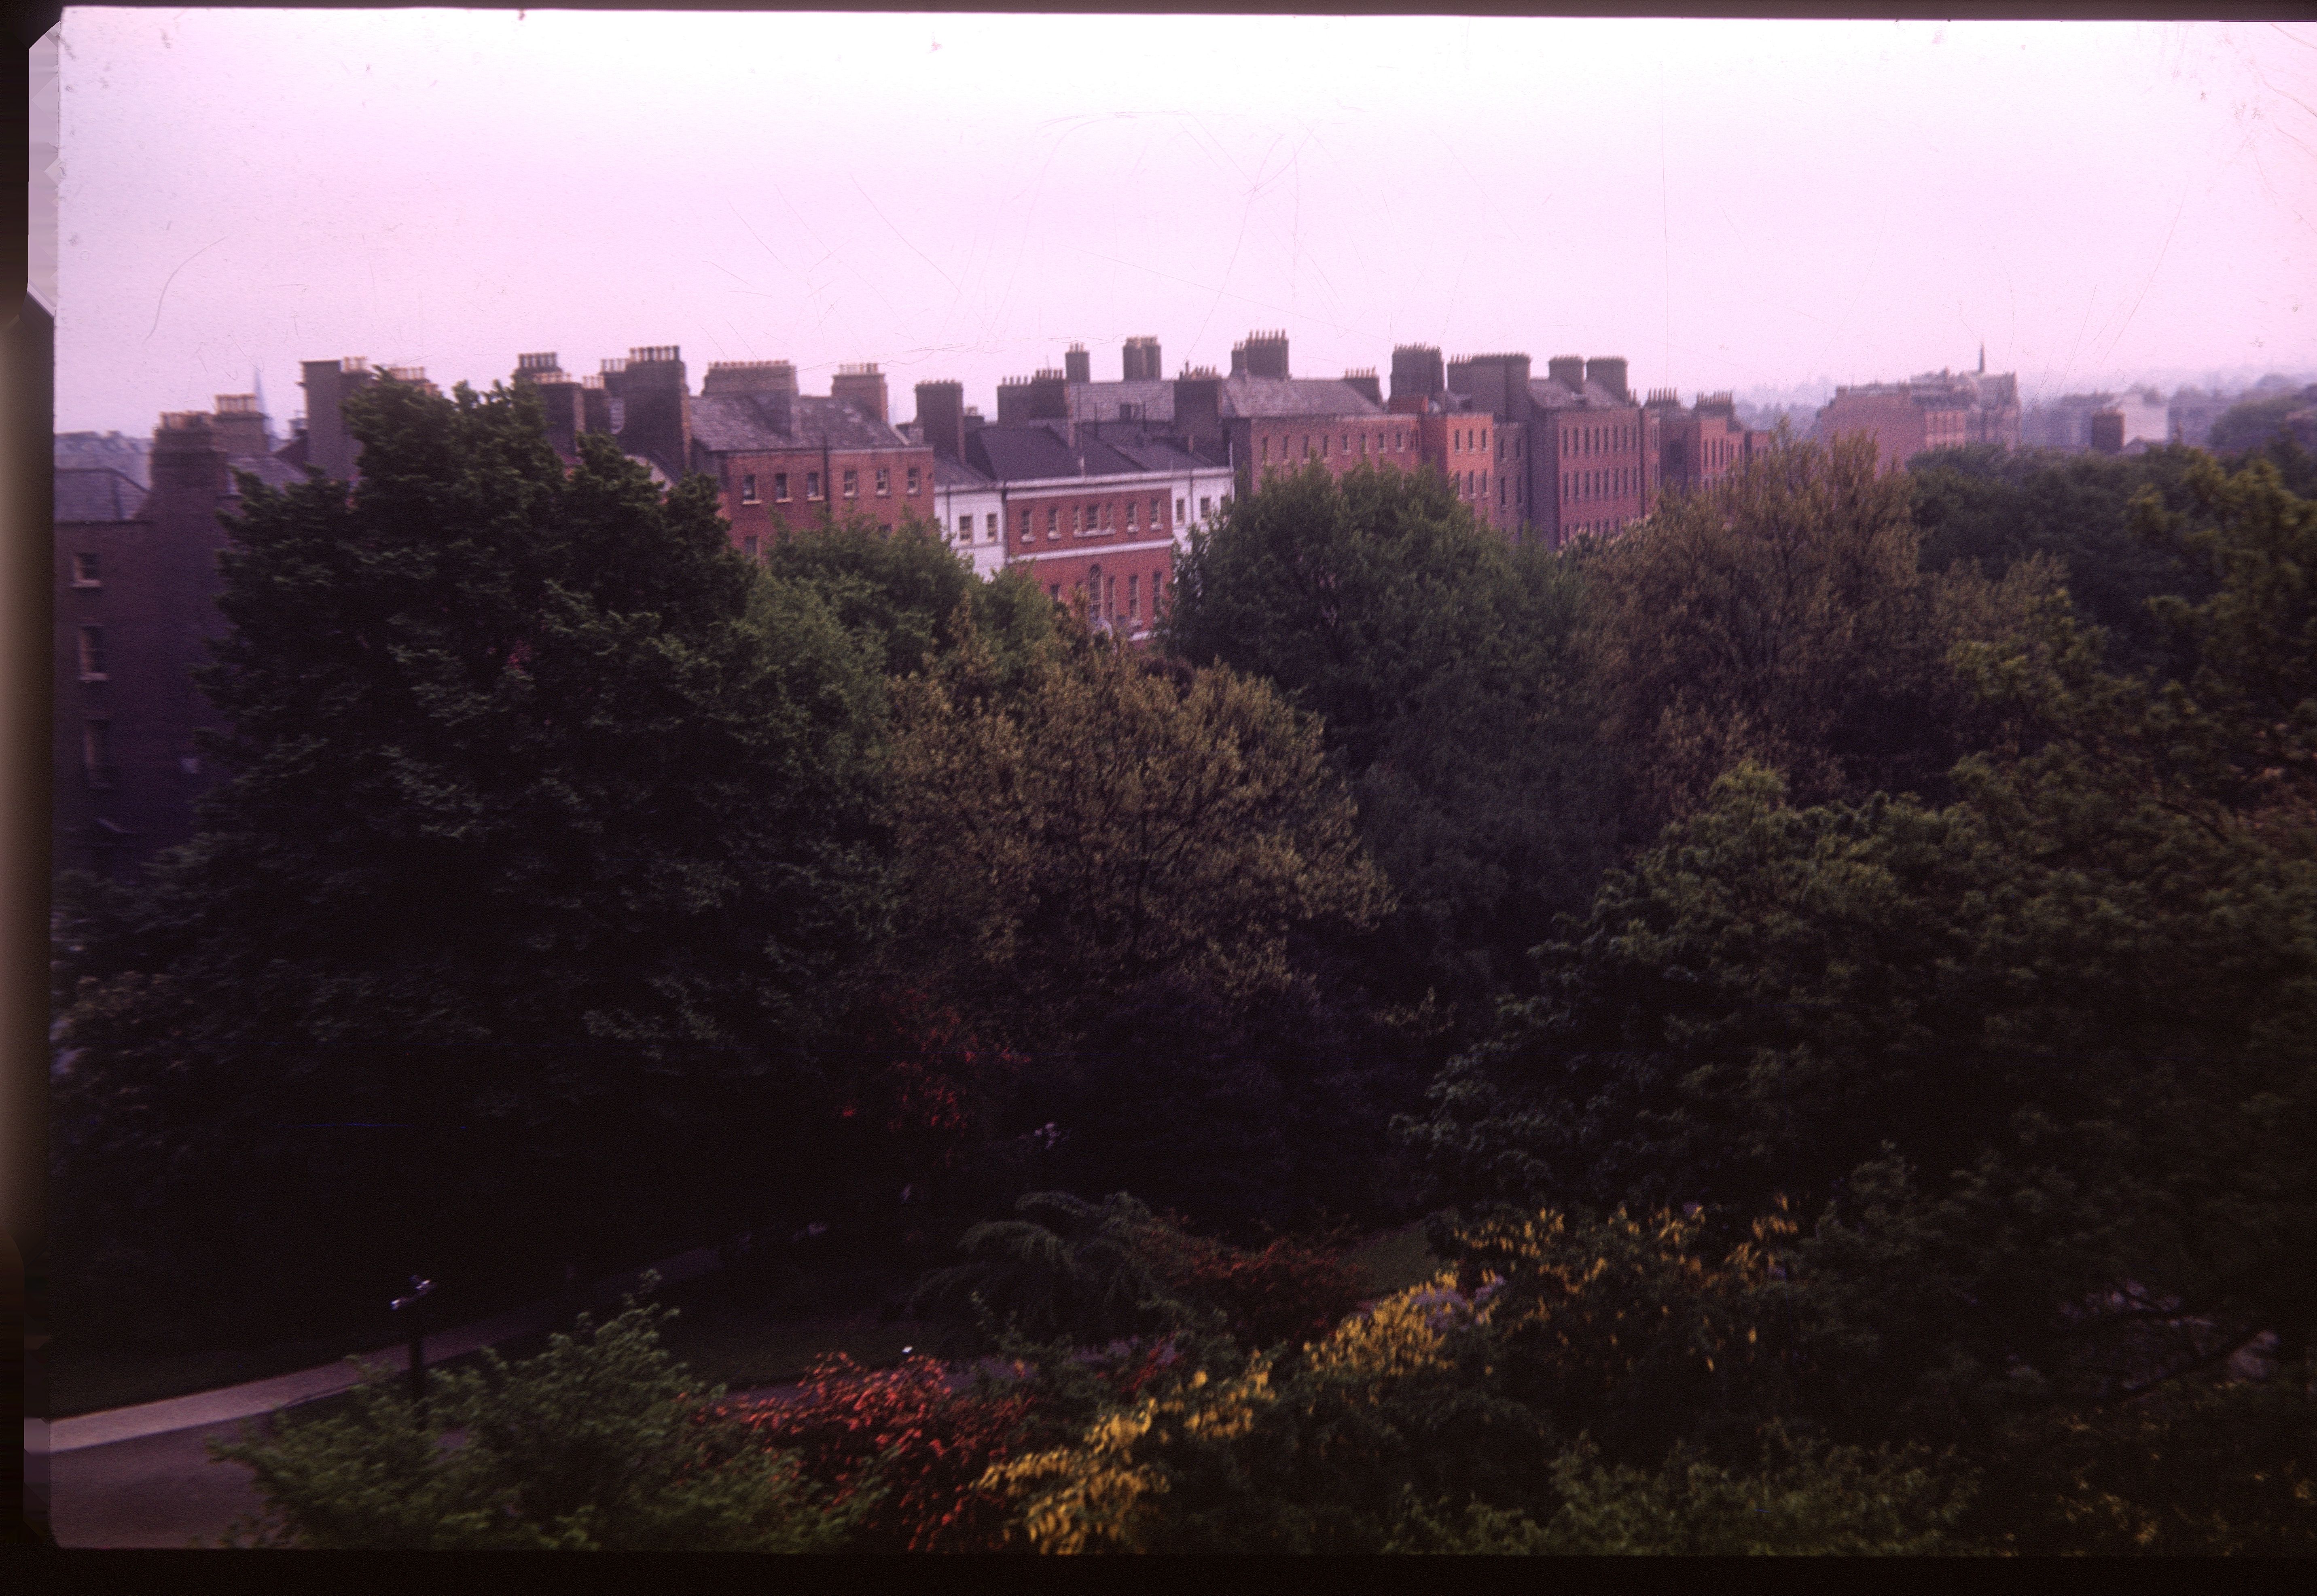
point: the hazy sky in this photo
(1729, 204)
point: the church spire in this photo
(1983, 359)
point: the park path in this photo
(140, 1476)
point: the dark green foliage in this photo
(2038, 1063)
(901, 592)
(1438, 659)
(1066, 1270)
(599, 1443)
(511, 926)
(1785, 618)
(1989, 509)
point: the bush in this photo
(601, 1442)
(904, 1449)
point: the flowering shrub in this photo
(906, 1445)
(1289, 1292)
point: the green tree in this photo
(1439, 661)
(601, 1442)
(513, 923)
(1782, 617)
(2037, 1062)
(2250, 423)
(1989, 509)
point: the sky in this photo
(1730, 205)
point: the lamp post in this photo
(420, 1290)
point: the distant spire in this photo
(1983, 359)
(257, 387)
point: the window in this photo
(1157, 512)
(1129, 516)
(1110, 596)
(1134, 596)
(852, 484)
(1206, 507)
(1484, 439)
(1178, 510)
(1364, 446)
(1347, 444)
(1075, 511)
(1307, 446)
(1266, 450)
(84, 569)
(812, 484)
(1026, 533)
(749, 547)
(1053, 524)
(965, 526)
(1396, 440)
(779, 487)
(1055, 592)
(1106, 518)
(884, 482)
(92, 654)
(96, 751)
(913, 479)
(990, 526)
(747, 490)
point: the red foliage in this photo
(915, 1431)
(933, 1082)
(1288, 1292)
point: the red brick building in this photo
(1703, 445)
(1595, 468)
(135, 592)
(1936, 410)
(783, 459)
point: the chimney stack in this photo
(240, 426)
(1260, 354)
(1609, 371)
(1415, 372)
(329, 447)
(1141, 360)
(188, 455)
(655, 418)
(1363, 382)
(941, 416)
(1567, 369)
(863, 387)
(1077, 365)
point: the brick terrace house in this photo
(1703, 445)
(1936, 410)
(1595, 466)
(1092, 513)
(1465, 434)
(783, 459)
(135, 592)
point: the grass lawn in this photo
(1395, 1259)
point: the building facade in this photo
(1936, 410)
(134, 587)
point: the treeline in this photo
(1840, 962)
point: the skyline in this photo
(1729, 205)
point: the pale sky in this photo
(1729, 204)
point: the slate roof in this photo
(1250, 396)
(271, 469)
(1145, 452)
(132, 457)
(742, 423)
(96, 493)
(956, 474)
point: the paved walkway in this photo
(141, 1475)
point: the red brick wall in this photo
(769, 518)
(1595, 469)
(1287, 443)
(1896, 424)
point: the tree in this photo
(1783, 618)
(1440, 664)
(601, 1442)
(1990, 509)
(515, 920)
(2036, 1062)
